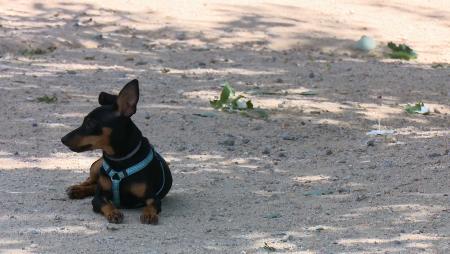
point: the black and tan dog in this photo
(130, 173)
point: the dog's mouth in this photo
(81, 148)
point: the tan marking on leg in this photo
(86, 188)
(105, 183)
(95, 170)
(111, 213)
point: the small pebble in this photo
(360, 198)
(141, 63)
(112, 227)
(257, 128)
(287, 136)
(371, 142)
(434, 155)
(227, 142)
(99, 37)
(266, 150)
(34, 232)
(388, 164)
(180, 36)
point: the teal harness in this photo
(118, 176)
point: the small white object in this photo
(366, 43)
(380, 132)
(423, 110)
(241, 103)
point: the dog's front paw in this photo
(76, 192)
(115, 216)
(149, 218)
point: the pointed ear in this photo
(128, 98)
(107, 99)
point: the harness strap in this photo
(117, 176)
(162, 173)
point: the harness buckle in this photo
(118, 175)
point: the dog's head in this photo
(105, 123)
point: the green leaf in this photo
(402, 55)
(47, 99)
(227, 92)
(216, 104)
(413, 108)
(249, 104)
(416, 108)
(230, 103)
(401, 51)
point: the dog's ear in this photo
(128, 98)
(107, 99)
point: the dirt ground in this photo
(306, 180)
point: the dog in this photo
(130, 173)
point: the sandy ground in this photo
(307, 180)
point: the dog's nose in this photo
(64, 140)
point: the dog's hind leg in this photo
(86, 188)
